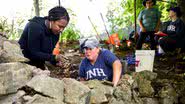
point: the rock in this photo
(136, 97)
(127, 78)
(75, 92)
(13, 76)
(2, 39)
(161, 82)
(123, 90)
(115, 101)
(47, 86)
(11, 52)
(20, 93)
(27, 98)
(142, 82)
(150, 101)
(167, 91)
(168, 95)
(38, 99)
(167, 101)
(145, 88)
(144, 75)
(8, 99)
(38, 71)
(123, 94)
(19, 97)
(100, 93)
(182, 100)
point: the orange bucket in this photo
(114, 39)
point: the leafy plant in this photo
(4, 27)
(121, 14)
(11, 30)
(70, 33)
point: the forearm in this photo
(157, 26)
(82, 79)
(141, 24)
(117, 69)
(42, 56)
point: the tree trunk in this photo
(181, 4)
(36, 6)
(59, 3)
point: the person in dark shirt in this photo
(175, 31)
(40, 36)
(99, 63)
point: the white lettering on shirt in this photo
(171, 28)
(95, 72)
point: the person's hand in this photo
(156, 29)
(60, 63)
(136, 36)
(60, 57)
(143, 29)
(159, 32)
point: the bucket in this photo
(114, 39)
(144, 60)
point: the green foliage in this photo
(121, 14)
(70, 33)
(163, 6)
(4, 27)
(11, 30)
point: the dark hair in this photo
(58, 13)
(176, 10)
(144, 2)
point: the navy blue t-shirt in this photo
(101, 70)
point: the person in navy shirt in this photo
(40, 36)
(99, 63)
(175, 31)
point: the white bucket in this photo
(144, 60)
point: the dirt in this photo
(166, 66)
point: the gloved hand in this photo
(60, 57)
(62, 61)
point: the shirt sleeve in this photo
(109, 57)
(35, 33)
(180, 30)
(140, 15)
(81, 72)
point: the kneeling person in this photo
(99, 63)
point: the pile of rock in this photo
(21, 83)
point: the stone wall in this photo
(21, 83)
